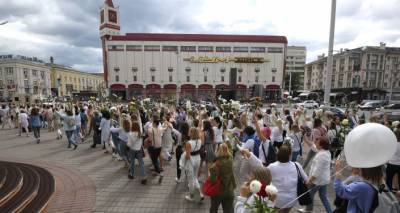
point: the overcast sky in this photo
(68, 29)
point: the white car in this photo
(309, 104)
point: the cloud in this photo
(68, 29)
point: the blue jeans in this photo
(77, 131)
(123, 148)
(295, 155)
(322, 191)
(137, 154)
(70, 137)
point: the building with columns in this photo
(370, 72)
(23, 76)
(189, 66)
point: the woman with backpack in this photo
(360, 194)
(69, 126)
(223, 169)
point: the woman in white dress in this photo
(23, 122)
(190, 162)
(105, 126)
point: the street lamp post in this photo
(330, 55)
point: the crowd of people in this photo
(277, 146)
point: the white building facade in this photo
(295, 61)
(189, 66)
(23, 75)
(370, 72)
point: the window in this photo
(134, 47)
(273, 78)
(134, 78)
(205, 78)
(170, 48)
(117, 78)
(188, 48)
(241, 49)
(187, 78)
(223, 49)
(10, 81)
(1, 84)
(256, 80)
(116, 69)
(151, 48)
(25, 72)
(239, 78)
(26, 83)
(275, 50)
(27, 90)
(116, 47)
(1, 71)
(257, 49)
(42, 74)
(206, 49)
(273, 70)
(9, 70)
(35, 90)
(222, 78)
(153, 78)
(170, 78)
(34, 73)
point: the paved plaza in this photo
(87, 180)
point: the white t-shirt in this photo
(23, 119)
(276, 135)
(284, 178)
(218, 134)
(297, 141)
(396, 157)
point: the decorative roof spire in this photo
(109, 3)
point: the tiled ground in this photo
(114, 191)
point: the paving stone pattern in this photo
(85, 169)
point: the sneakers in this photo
(76, 146)
(143, 182)
(169, 158)
(304, 210)
(130, 176)
(189, 198)
(178, 180)
(201, 197)
(38, 140)
(160, 178)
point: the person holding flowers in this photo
(257, 195)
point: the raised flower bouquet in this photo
(262, 204)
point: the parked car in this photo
(309, 104)
(341, 113)
(372, 105)
(392, 111)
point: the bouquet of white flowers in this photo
(260, 204)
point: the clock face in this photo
(112, 16)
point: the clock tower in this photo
(109, 19)
(109, 26)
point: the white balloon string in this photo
(288, 204)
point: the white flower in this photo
(188, 105)
(271, 190)
(146, 100)
(235, 105)
(255, 186)
(395, 124)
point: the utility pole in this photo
(328, 78)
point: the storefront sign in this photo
(206, 59)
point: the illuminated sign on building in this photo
(205, 59)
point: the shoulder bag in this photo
(303, 194)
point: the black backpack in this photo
(271, 157)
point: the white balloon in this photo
(369, 145)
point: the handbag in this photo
(303, 194)
(212, 189)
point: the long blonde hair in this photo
(279, 124)
(223, 151)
